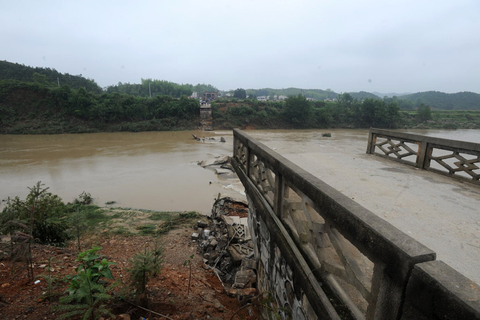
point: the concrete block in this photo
(437, 291)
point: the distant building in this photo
(262, 98)
(208, 96)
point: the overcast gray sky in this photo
(369, 45)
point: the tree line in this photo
(152, 88)
(297, 111)
(64, 106)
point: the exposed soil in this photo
(167, 293)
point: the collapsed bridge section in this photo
(323, 255)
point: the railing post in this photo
(372, 139)
(422, 154)
(247, 161)
(279, 195)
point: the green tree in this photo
(40, 78)
(40, 214)
(298, 109)
(424, 113)
(346, 110)
(240, 94)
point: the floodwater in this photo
(147, 170)
(159, 171)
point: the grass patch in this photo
(162, 215)
(128, 221)
(147, 229)
(177, 220)
(121, 231)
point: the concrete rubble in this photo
(221, 165)
(227, 248)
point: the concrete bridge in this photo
(323, 255)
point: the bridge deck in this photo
(440, 212)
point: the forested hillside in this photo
(445, 101)
(152, 88)
(31, 107)
(41, 100)
(45, 76)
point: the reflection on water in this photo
(150, 170)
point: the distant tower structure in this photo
(209, 96)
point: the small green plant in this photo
(145, 265)
(87, 294)
(78, 223)
(51, 281)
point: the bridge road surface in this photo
(440, 212)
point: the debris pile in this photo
(221, 165)
(227, 248)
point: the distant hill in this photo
(445, 101)
(390, 94)
(316, 94)
(363, 95)
(47, 76)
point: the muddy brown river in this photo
(154, 170)
(148, 170)
(159, 171)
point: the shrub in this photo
(87, 294)
(40, 215)
(145, 265)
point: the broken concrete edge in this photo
(378, 240)
(437, 291)
(226, 246)
(224, 161)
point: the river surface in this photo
(152, 170)
(147, 170)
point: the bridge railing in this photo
(457, 159)
(341, 251)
